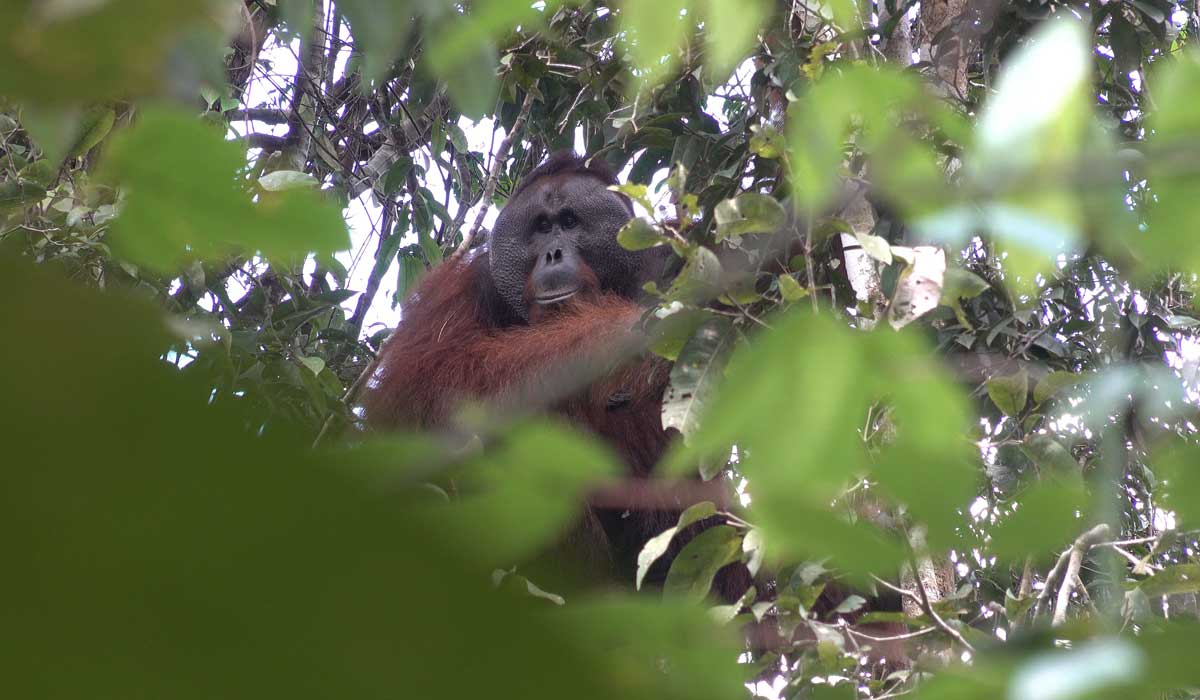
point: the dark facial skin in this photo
(547, 239)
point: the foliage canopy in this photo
(935, 312)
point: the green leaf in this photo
(671, 333)
(281, 180)
(1172, 126)
(1040, 109)
(183, 200)
(15, 194)
(1009, 393)
(1172, 580)
(396, 177)
(1179, 465)
(1047, 519)
(1049, 455)
(1104, 667)
(458, 139)
(693, 569)
(469, 76)
(655, 31)
(638, 193)
(179, 513)
(314, 364)
(87, 55)
(43, 172)
(695, 375)
(781, 379)
(639, 234)
(850, 604)
(749, 212)
(1055, 382)
(658, 545)
(53, 129)
(374, 25)
(790, 289)
(521, 496)
(733, 28)
(409, 272)
(767, 142)
(837, 107)
(878, 248)
(962, 284)
(94, 127)
(700, 278)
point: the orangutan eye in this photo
(567, 219)
(542, 224)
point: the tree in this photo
(935, 261)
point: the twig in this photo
(268, 142)
(894, 638)
(1139, 566)
(1126, 543)
(365, 300)
(489, 189)
(347, 397)
(266, 115)
(1082, 544)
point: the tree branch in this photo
(267, 142)
(1082, 544)
(489, 189)
(266, 115)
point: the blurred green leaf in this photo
(1054, 382)
(1172, 580)
(1179, 465)
(379, 29)
(520, 497)
(95, 125)
(469, 74)
(99, 50)
(732, 26)
(1039, 111)
(1048, 517)
(656, 30)
(184, 200)
(137, 546)
(780, 379)
(1173, 125)
(1112, 665)
(1009, 393)
(1049, 455)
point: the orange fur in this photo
(446, 352)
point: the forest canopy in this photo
(933, 334)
